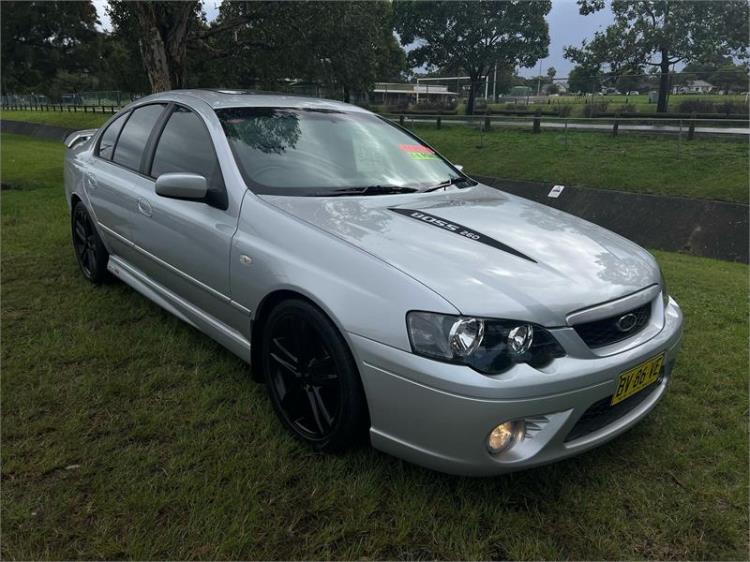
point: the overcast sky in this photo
(566, 27)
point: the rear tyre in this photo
(312, 378)
(90, 252)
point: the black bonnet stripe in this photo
(459, 229)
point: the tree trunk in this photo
(164, 27)
(661, 105)
(347, 96)
(474, 82)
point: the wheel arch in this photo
(264, 309)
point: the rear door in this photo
(115, 173)
(187, 243)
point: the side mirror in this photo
(458, 167)
(182, 186)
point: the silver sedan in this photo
(377, 290)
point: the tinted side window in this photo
(109, 137)
(186, 146)
(135, 134)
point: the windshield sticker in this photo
(418, 151)
(458, 229)
(416, 148)
(422, 156)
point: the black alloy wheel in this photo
(90, 252)
(312, 378)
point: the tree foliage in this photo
(345, 45)
(44, 43)
(584, 80)
(473, 36)
(662, 33)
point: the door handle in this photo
(144, 207)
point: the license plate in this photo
(636, 379)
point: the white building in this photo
(393, 93)
(694, 87)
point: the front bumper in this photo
(439, 415)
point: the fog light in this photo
(520, 338)
(504, 436)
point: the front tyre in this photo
(312, 378)
(90, 252)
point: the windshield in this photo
(321, 152)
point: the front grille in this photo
(601, 414)
(605, 331)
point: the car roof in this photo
(247, 98)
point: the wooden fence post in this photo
(615, 127)
(487, 123)
(537, 127)
(691, 128)
(401, 120)
(438, 123)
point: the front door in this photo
(187, 243)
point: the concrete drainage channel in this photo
(713, 229)
(699, 227)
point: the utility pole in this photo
(494, 86)
(539, 79)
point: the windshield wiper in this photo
(367, 190)
(445, 184)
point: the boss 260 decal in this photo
(459, 230)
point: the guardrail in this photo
(612, 125)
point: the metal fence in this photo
(60, 107)
(106, 98)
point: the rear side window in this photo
(186, 146)
(109, 138)
(134, 135)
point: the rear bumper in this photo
(439, 415)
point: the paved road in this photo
(624, 126)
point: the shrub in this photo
(435, 106)
(396, 108)
(564, 110)
(703, 106)
(696, 106)
(735, 107)
(627, 108)
(593, 108)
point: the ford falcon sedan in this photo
(377, 290)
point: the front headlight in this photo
(487, 345)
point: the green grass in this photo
(77, 120)
(29, 163)
(128, 434)
(707, 168)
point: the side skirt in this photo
(197, 318)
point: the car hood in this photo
(486, 252)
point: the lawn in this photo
(706, 168)
(128, 434)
